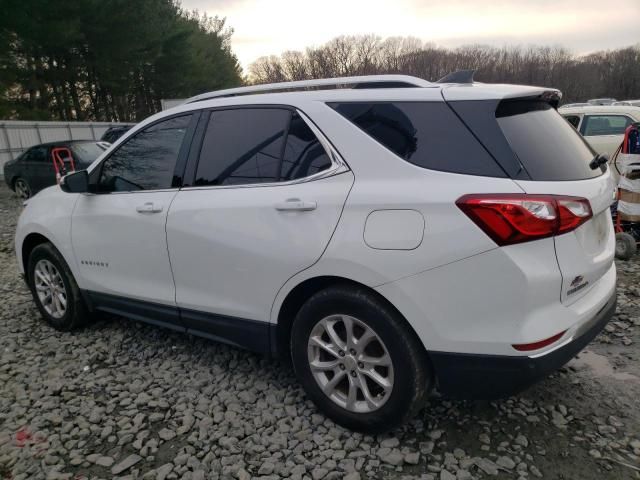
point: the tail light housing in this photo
(516, 218)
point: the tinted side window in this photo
(242, 146)
(304, 155)
(36, 154)
(595, 125)
(147, 160)
(427, 134)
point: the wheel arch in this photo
(302, 292)
(31, 241)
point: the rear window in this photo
(426, 134)
(546, 145)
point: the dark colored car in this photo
(34, 169)
(114, 133)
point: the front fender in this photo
(48, 214)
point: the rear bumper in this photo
(479, 376)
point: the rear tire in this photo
(54, 289)
(345, 375)
(22, 188)
(626, 246)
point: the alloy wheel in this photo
(350, 363)
(50, 288)
(22, 189)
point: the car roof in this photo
(364, 88)
(632, 110)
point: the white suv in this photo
(388, 238)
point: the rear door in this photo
(265, 199)
(36, 165)
(604, 132)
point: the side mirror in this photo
(76, 182)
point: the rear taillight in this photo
(517, 218)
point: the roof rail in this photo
(365, 81)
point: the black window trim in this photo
(181, 161)
(338, 165)
(579, 116)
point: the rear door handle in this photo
(149, 207)
(295, 204)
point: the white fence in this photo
(17, 136)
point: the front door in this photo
(260, 210)
(118, 232)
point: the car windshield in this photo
(87, 152)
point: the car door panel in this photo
(43, 171)
(605, 144)
(233, 248)
(121, 251)
(32, 165)
(265, 200)
(118, 231)
(604, 132)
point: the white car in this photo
(389, 238)
(628, 103)
(603, 126)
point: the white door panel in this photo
(232, 249)
(119, 243)
(606, 144)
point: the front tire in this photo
(358, 361)
(54, 289)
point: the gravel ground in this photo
(124, 400)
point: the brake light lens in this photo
(516, 218)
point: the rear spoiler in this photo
(552, 97)
(500, 92)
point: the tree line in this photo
(107, 60)
(613, 73)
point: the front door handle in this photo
(149, 207)
(295, 204)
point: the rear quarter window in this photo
(426, 134)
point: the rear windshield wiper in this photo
(598, 161)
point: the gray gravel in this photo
(124, 400)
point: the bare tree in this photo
(613, 73)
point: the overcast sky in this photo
(266, 27)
